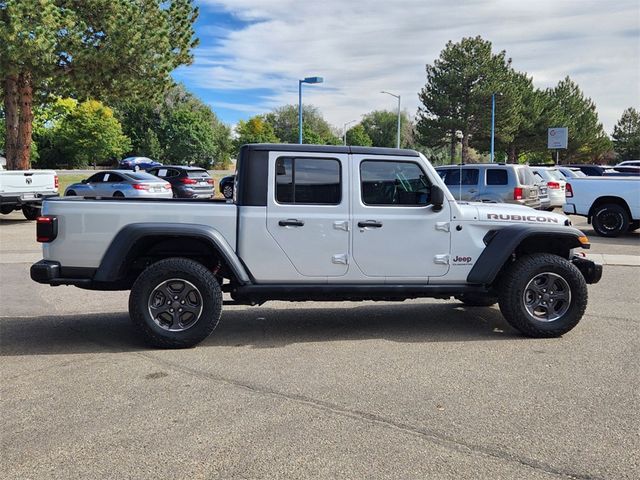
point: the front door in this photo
(308, 211)
(396, 231)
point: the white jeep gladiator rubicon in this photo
(317, 223)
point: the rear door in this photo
(308, 211)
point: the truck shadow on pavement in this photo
(262, 327)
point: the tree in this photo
(626, 135)
(189, 136)
(315, 129)
(382, 128)
(568, 107)
(357, 135)
(255, 130)
(98, 49)
(457, 96)
(90, 134)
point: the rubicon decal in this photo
(521, 218)
(458, 259)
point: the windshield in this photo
(197, 173)
(555, 174)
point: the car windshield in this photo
(197, 173)
(555, 174)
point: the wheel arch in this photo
(609, 199)
(137, 245)
(519, 240)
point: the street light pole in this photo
(345, 130)
(300, 82)
(398, 133)
(493, 124)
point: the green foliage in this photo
(90, 134)
(382, 128)
(357, 135)
(626, 135)
(568, 107)
(315, 129)
(255, 130)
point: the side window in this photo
(114, 177)
(393, 183)
(497, 176)
(97, 178)
(461, 176)
(308, 181)
(159, 172)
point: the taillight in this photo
(56, 182)
(167, 186)
(210, 181)
(46, 229)
(553, 185)
(188, 181)
(517, 193)
(568, 191)
(141, 186)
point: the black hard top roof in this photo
(295, 147)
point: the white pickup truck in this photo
(611, 204)
(313, 222)
(25, 190)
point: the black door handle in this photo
(370, 224)
(291, 222)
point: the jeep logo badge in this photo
(28, 180)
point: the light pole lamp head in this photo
(313, 80)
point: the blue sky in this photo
(252, 52)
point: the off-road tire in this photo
(183, 269)
(512, 291)
(477, 300)
(30, 213)
(610, 220)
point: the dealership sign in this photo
(558, 137)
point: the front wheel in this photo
(175, 303)
(610, 220)
(30, 213)
(543, 295)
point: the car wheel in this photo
(118, 195)
(610, 220)
(543, 295)
(6, 209)
(70, 193)
(136, 168)
(175, 303)
(30, 213)
(477, 300)
(227, 191)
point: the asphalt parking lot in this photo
(420, 389)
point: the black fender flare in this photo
(503, 242)
(113, 265)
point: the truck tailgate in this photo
(27, 181)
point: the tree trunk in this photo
(25, 123)
(11, 111)
(513, 154)
(465, 147)
(454, 141)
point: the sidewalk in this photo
(610, 259)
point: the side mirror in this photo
(84, 180)
(437, 198)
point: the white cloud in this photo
(362, 47)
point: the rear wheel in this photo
(136, 168)
(543, 295)
(175, 303)
(227, 191)
(30, 213)
(70, 193)
(610, 220)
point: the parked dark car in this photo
(226, 186)
(138, 163)
(186, 182)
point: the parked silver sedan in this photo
(121, 183)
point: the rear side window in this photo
(525, 176)
(453, 176)
(393, 183)
(314, 181)
(497, 176)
